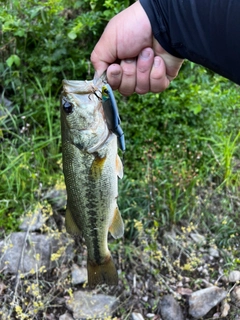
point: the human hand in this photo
(144, 65)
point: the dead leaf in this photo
(2, 288)
(225, 307)
(184, 291)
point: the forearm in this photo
(203, 31)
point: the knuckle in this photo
(129, 71)
(93, 56)
(160, 85)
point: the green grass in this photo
(29, 164)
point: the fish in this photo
(91, 168)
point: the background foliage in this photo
(181, 164)
(180, 143)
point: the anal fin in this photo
(71, 226)
(117, 227)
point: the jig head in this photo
(112, 116)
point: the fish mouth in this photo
(77, 86)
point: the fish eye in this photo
(67, 106)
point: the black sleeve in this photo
(203, 31)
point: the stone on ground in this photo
(137, 316)
(24, 252)
(198, 238)
(34, 222)
(86, 305)
(202, 301)
(66, 316)
(170, 309)
(234, 276)
(79, 275)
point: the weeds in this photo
(25, 163)
(224, 149)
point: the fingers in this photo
(146, 74)
(123, 76)
(128, 81)
(144, 66)
(158, 78)
(151, 73)
(114, 75)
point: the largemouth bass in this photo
(91, 168)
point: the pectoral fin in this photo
(71, 226)
(119, 167)
(117, 227)
(97, 167)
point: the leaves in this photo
(13, 59)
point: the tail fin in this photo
(102, 273)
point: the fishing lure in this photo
(112, 116)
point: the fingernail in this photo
(157, 62)
(129, 60)
(145, 54)
(115, 73)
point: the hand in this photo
(144, 65)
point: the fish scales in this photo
(91, 168)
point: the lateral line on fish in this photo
(94, 235)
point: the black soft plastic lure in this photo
(112, 116)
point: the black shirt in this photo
(203, 31)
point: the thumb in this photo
(105, 52)
(99, 65)
(173, 64)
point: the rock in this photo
(137, 316)
(169, 239)
(198, 238)
(234, 276)
(66, 316)
(213, 252)
(34, 222)
(86, 305)
(202, 301)
(169, 236)
(150, 315)
(57, 197)
(23, 252)
(170, 309)
(235, 296)
(6, 106)
(79, 275)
